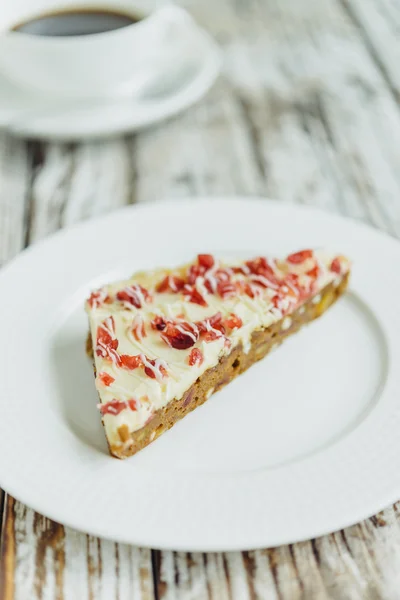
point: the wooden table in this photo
(307, 111)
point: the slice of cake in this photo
(163, 341)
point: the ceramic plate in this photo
(33, 115)
(304, 443)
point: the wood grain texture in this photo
(307, 111)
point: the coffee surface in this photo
(76, 22)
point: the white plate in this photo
(304, 443)
(27, 114)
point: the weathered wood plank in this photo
(73, 184)
(379, 22)
(15, 176)
(206, 150)
(325, 121)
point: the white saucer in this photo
(304, 443)
(28, 114)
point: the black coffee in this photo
(76, 22)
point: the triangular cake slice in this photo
(164, 341)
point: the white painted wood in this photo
(75, 184)
(379, 22)
(207, 150)
(14, 187)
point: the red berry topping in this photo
(212, 335)
(259, 266)
(336, 267)
(114, 407)
(194, 272)
(226, 289)
(299, 257)
(180, 335)
(105, 379)
(134, 294)
(290, 288)
(158, 323)
(314, 272)
(233, 322)
(170, 283)
(251, 290)
(107, 345)
(98, 298)
(193, 295)
(106, 331)
(266, 281)
(132, 404)
(206, 260)
(243, 270)
(154, 368)
(131, 362)
(213, 322)
(196, 357)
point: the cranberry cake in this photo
(163, 341)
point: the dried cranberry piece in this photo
(132, 404)
(105, 379)
(108, 353)
(299, 257)
(314, 272)
(215, 322)
(196, 357)
(103, 337)
(152, 372)
(170, 283)
(134, 294)
(211, 335)
(114, 407)
(130, 362)
(106, 331)
(158, 323)
(106, 346)
(180, 335)
(193, 295)
(336, 267)
(243, 269)
(226, 289)
(99, 297)
(206, 260)
(233, 322)
(194, 272)
(250, 290)
(265, 281)
(260, 266)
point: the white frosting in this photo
(131, 323)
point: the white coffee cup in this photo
(108, 63)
